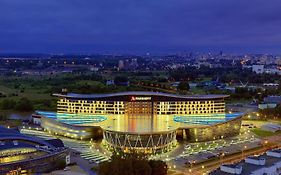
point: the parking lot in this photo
(187, 154)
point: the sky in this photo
(140, 26)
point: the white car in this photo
(66, 169)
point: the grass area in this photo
(6, 90)
(36, 89)
(89, 82)
(197, 91)
(262, 133)
(235, 101)
(10, 123)
(31, 92)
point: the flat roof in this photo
(5, 132)
(144, 93)
(248, 168)
(275, 150)
(7, 135)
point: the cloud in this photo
(139, 26)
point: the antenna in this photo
(242, 84)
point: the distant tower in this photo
(121, 64)
(135, 61)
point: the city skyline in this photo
(129, 27)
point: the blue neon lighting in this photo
(73, 118)
(207, 119)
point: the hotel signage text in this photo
(140, 98)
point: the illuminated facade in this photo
(149, 143)
(148, 122)
(136, 103)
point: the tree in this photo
(8, 104)
(158, 167)
(132, 164)
(3, 117)
(279, 87)
(24, 104)
(183, 86)
(271, 113)
(121, 80)
(141, 167)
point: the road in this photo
(205, 168)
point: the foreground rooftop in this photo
(265, 163)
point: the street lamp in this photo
(265, 143)
(202, 166)
(221, 156)
(245, 147)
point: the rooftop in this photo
(143, 93)
(249, 168)
(272, 99)
(7, 136)
(276, 150)
(5, 132)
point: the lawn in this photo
(262, 133)
(31, 92)
(10, 123)
(196, 90)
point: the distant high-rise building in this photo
(121, 64)
(278, 61)
(132, 64)
(259, 69)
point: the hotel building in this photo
(141, 121)
(140, 103)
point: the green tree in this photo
(8, 104)
(120, 79)
(279, 87)
(132, 164)
(271, 113)
(141, 167)
(24, 104)
(158, 167)
(183, 86)
(3, 117)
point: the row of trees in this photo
(3, 117)
(271, 113)
(248, 93)
(245, 93)
(132, 164)
(226, 75)
(183, 86)
(23, 104)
